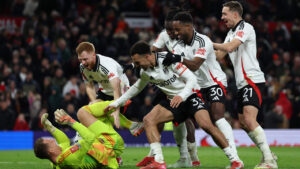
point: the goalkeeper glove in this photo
(47, 124)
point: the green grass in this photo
(211, 158)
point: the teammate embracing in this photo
(196, 52)
(240, 44)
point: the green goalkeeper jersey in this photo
(89, 153)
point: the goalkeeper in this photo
(98, 148)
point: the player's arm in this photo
(115, 83)
(156, 49)
(90, 90)
(136, 88)
(159, 44)
(220, 54)
(63, 118)
(229, 46)
(59, 136)
(194, 64)
(190, 80)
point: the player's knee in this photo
(148, 120)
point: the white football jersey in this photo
(210, 72)
(174, 80)
(164, 40)
(105, 70)
(244, 59)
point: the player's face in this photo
(141, 61)
(181, 31)
(170, 30)
(52, 146)
(227, 17)
(87, 59)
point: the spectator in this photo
(274, 118)
(71, 87)
(287, 108)
(21, 124)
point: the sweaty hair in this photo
(140, 48)
(85, 46)
(234, 6)
(183, 17)
(41, 149)
(173, 11)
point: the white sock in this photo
(259, 138)
(226, 129)
(157, 151)
(180, 134)
(192, 147)
(150, 154)
(230, 154)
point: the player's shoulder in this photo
(245, 26)
(163, 34)
(200, 40)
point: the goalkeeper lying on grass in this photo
(98, 148)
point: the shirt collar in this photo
(193, 39)
(234, 28)
(97, 63)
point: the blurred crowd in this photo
(39, 70)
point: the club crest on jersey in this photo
(91, 77)
(182, 54)
(165, 70)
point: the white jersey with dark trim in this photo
(244, 59)
(164, 40)
(105, 70)
(210, 72)
(169, 79)
(174, 80)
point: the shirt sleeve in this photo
(61, 139)
(188, 77)
(203, 51)
(243, 33)
(136, 88)
(88, 137)
(160, 41)
(110, 71)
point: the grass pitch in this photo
(211, 158)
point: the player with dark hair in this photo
(196, 52)
(240, 44)
(184, 133)
(178, 83)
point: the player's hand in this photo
(171, 58)
(110, 107)
(46, 123)
(175, 102)
(116, 117)
(128, 67)
(63, 118)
